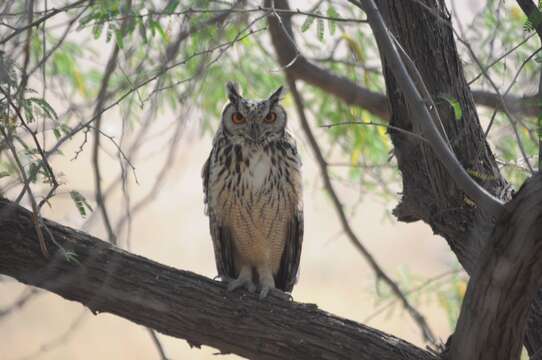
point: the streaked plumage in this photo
(252, 184)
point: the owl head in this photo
(253, 121)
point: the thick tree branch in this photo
(183, 304)
(499, 295)
(424, 31)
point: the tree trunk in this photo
(504, 285)
(183, 304)
(429, 194)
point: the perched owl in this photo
(252, 185)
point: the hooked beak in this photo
(254, 132)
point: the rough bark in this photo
(499, 294)
(429, 194)
(183, 304)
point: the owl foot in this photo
(264, 292)
(244, 280)
(238, 283)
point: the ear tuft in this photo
(232, 92)
(277, 95)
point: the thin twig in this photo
(28, 295)
(42, 19)
(48, 168)
(373, 123)
(59, 340)
(157, 343)
(190, 11)
(26, 182)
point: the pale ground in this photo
(174, 230)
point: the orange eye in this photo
(237, 118)
(271, 117)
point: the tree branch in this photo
(183, 304)
(303, 69)
(499, 295)
(352, 93)
(484, 199)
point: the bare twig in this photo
(263, 9)
(26, 182)
(60, 339)
(28, 295)
(373, 123)
(157, 343)
(98, 110)
(37, 22)
(48, 168)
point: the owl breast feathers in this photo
(252, 184)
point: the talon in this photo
(239, 282)
(264, 292)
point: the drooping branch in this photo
(183, 304)
(499, 295)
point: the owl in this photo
(253, 195)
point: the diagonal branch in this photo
(183, 304)
(482, 197)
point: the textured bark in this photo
(429, 194)
(183, 304)
(499, 294)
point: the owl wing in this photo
(289, 263)
(291, 255)
(221, 235)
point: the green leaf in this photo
(319, 27)
(170, 8)
(4, 174)
(57, 133)
(332, 26)
(44, 106)
(119, 38)
(307, 23)
(80, 202)
(33, 171)
(456, 106)
(97, 30)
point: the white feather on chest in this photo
(258, 169)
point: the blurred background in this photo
(155, 141)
